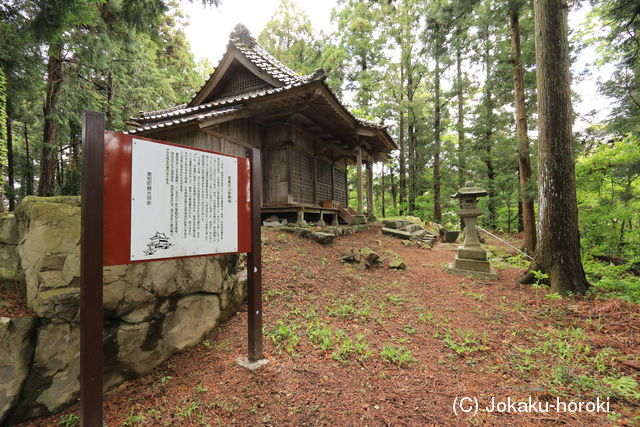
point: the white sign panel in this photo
(183, 202)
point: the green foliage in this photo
(609, 198)
(464, 342)
(285, 337)
(613, 281)
(289, 36)
(397, 355)
(119, 57)
(69, 420)
(320, 335)
(625, 387)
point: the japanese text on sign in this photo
(184, 202)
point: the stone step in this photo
(397, 233)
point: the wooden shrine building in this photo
(306, 135)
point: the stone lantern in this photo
(471, 259)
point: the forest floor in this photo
(395, 347)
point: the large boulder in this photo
(50, 228)
(53, 379)
(152, 309)
(16, 350)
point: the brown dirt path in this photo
(385, 347)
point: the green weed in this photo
(464, 342)
(397, 355)
(133, 419)
(284, 336)
(69, 420)
(321, 335)
(473, 295)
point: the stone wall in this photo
(152, 310)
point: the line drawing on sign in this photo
(157, 241)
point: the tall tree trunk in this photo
(460, 124)
(29, 173)
(394, 191)
(520, 219)
(412, 164)
(5, 129)
(60, 169)
(437, 208)
(558, 252)
(48, 158)
(524, 161)
(412, 140)
(11, 192)
(402, 181)
(488, 136)
(110, 96)
(384, 214)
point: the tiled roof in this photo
(369, 123)
(193, 117)
(244, 42)
(182, 109)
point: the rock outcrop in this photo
(152, 310)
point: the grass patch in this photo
(397, 354)
(284, 336)
(464, 342)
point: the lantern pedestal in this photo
(471, 259)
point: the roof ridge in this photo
(242, 36)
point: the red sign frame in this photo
(117, 199)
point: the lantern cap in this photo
(468, 190)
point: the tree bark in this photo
(558, 252)
(488, 136)
(382, 204)
(394, 191)
(437, 208)
(48, 158)
(110, 96)
(11, 193)
(29, 173)
(524, 161)
(460, 124)
(402, 181)
(412, 141)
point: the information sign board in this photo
(163, 200)
(183, 202)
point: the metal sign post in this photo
(254, 261)
(91, 356)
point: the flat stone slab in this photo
(491, 275)
(324, 238)
(420, 234)
(359, 219)
(397, 233)
(266, 223)
(251, 365)
(412, 228)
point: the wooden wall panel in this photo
(276, 186)
(324, 177)
(302, 173)
(340, 186)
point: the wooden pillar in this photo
(289, 175)
(315, 180)
(359, 169)
(369, 189)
